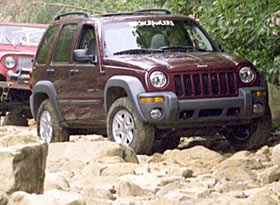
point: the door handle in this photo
(50, 71)
(74, 72)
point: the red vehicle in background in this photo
(18, 45)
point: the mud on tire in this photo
(46, 119)
(124, 126)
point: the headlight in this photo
(158, 79)
(246, 75)
(10, 62)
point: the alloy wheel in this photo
(46, 129)
(123, 127)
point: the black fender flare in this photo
(47, 88)
(132, 87)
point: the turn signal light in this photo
(151, 99)
(259, 93)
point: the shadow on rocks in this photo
(216, 143)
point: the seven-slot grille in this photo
(212, 84)
(24, 62)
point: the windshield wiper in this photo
(138, 51)
(182, 48)
(7, 38)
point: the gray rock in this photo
(56, 181)
(276, 155)
(229, 186)
(127, 189)
(22, 164)
(263, 198)
(92, 193)
(270, 175)
(119, 169)
(4, 199)
(51, 197)
(151, 181)
(91, 151)
(199, 159)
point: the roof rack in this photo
(166, 11)
(85, 14)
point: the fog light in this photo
(156, 114)
(258, 108)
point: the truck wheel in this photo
(48, 127)
(124, 126)
(250, 136)
(15, 119)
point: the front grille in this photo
(24, 62)
(205, 85)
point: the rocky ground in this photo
(91, 170)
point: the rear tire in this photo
(125, 127)
(48, 127)
(251, 136)
(16, 119)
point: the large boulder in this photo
(51, 197)
(22, 164)
(239, 168)
(199, 159)
(91, 151)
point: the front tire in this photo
(125, 127)
(251, 136)
(48, 127)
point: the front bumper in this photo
(203, 112)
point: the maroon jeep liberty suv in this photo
(144, 77)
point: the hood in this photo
(17, 50)
(178, 61)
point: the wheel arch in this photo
(123, 86)
(44, 90)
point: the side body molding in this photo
(132, 87)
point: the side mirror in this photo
(81, 56)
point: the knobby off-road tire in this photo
(251, 136)
(48, 127)
(16, 119)
(125, 127)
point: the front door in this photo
(79, 97)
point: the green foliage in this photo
(243, 27)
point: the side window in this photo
(46, 45)
(64, 45)
(88, 41)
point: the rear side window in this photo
(64, 44)
(46, 45)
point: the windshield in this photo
(19, 35)
(147, 36)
